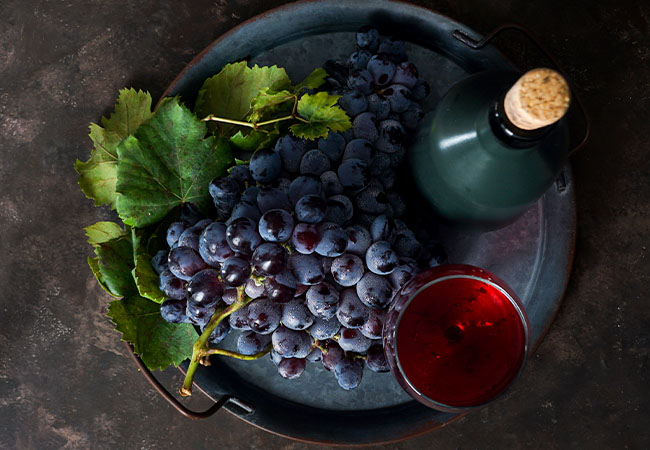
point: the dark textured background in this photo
(66, 380)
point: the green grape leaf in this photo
(115, 264)
(229, 93)
(98, 175)
(93, 263)
(321, 115)
(313, 81)
(102, 232)
(268, 102)
(157, 342)
(256, 139)
(167, 162)
(146, 279)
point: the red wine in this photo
(460, 341)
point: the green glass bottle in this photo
(492, 147)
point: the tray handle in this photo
(177, 405)
(466, 39)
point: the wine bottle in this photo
(492, 147)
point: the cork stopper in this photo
(539, 98)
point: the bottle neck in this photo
(508, 133)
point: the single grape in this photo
(339, 209)
(275, 358)
(263, 315)
(352, 340)
(190, 237)
(348, 373)
(171, 286)
(307, 269)
(244, 209)
(333, 240)
(381, 228)
(291, 343)
(421, 90)
(250, 343)
(311, 209)
(254, 289)
(358, 148)
(241, 174)
(159, 262)
(364, 126)
(296, 316)
(406, 74)
(173, 310)
(332, 146)
(174, 232)
(347, 269)
(230, 295)
(185, 262)
(276, 225)
(242, 235)
(305, 238)
(406, 245)
(219, 333)
(394, 48)
(269, 259)
(375, 291)
(235, 271)
(323, 329)
(399, 97)
(200, 314)
(382, 69)
(351, 312)
(291, 368)
(401, 275)
(379, 106)
(376, 359)
(315, 355)
(283, 183)
(372, 199)
(368, 39)
(374, 326)
(213, 245)
(270, 198)
(304, 185)
(359, 59)
(359, 240)
(314, 162)
(250, 195)
(360, 80)
(238, 320)
(225, 192)
(290, 150)
(333, 355)
(331, 183)
(353, 174)
(381, 258)
(281, 288)
(354, 103)
(205, 287)
(265, 165)
(322, 300)
(411, 117)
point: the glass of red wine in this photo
(456, 337)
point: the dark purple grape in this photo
(291, 368)
(281, 288)
(381, 228)
(348, 373)
(406, 74)
(323, 329)
(368, 39)
(291, 343)
(399, 97)
(225, 192)
(159, 262)
(352, 340)
(353, 174)
(242, 235)
(421, 90)
(374, 326)
(351, 312)
(311, 209)
(251, 343)
(358, 240)
(360, 80)
(382, 69)
(174, 232)
(331, 183)
(250, 195)
(347, 269)
(275, 358)
(315, 355)
(213, 245)
(190, 213)
(185, 262)
(307, 269)
(173, 310)
(238, 320)
(333, 240)
(244, 209)
(401, 275)
(263, 315)
(270, 198)
(304, 185)
(354, 103)
(314, 162)
(359, 59)
(339, 209)
(290, 150)
(190, 237)
(358, 149)
(379, 106)
(305, 238)
(322, 300)
(338, 74)
(269, 259)
(406, 245)
(296, 316)
(241, 174)
(219, 333)
(364, 126)
(333, 355)
(372, 199)
(205, 287)
(200, 314)
(376, 359)
(230, 295)
(411, 117)
(375, 291)
(254, 289)
(394, 48)
(235, 271)
(332, 146)
(265, 165)
(381, 258)
(284, 184)
(276, 225)
(171, 286)
(379, 164)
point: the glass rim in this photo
(513, 301)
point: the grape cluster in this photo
(311, 230)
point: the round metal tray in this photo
(533, 255)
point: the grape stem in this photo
(200, 349)
(220, 351)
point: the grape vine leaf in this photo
(102, 232)
(256, 139)
(167, 162)
(269, 101)
(146, 280)
(115, 262)
(313, 81)
(230, 92)
(321, 115)
(98, 175)
(157, 342)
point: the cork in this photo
(539, 98)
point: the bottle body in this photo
(472, 177)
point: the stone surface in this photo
(66, 380)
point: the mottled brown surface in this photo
(66, 380)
